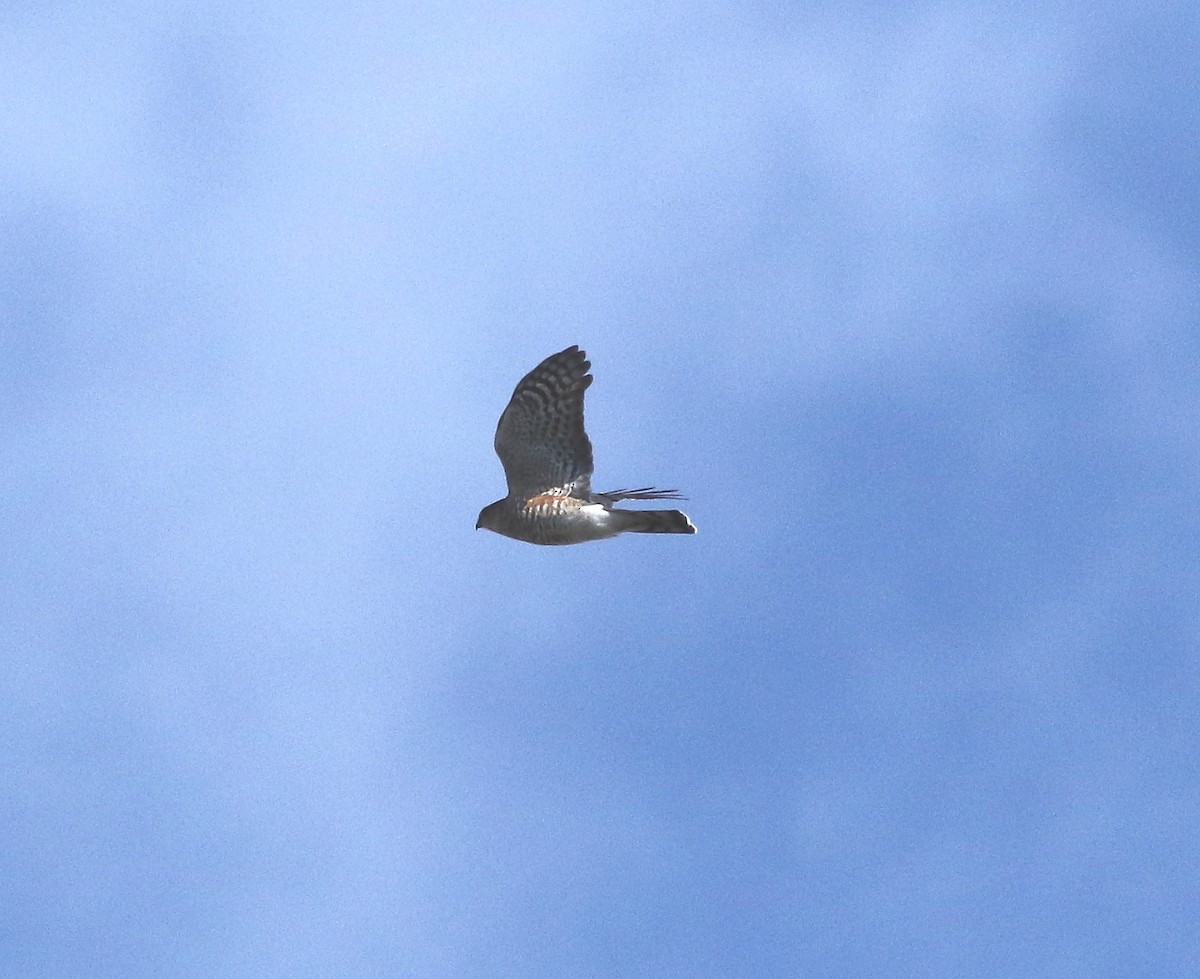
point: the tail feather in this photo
(655, 522)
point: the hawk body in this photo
(547, 459)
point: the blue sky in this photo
(904, 298)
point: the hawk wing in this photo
(540, 438)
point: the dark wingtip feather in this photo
(645, 493)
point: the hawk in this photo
(547, 460)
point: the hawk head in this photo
(489, 516)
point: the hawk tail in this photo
(655, 522)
